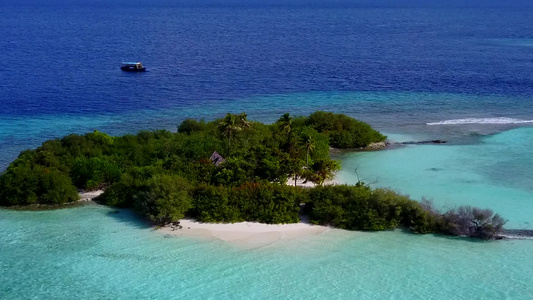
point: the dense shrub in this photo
(56, 188)
(360, 208)
(119, 194)
(234, 171)
(343, 131)
(93, 173)
(421, 217)
(262, 202)
(351, 207)
(122, 194)
(200, 145)
(164, 199)
(190, 125)
(214, 204)
(18, 184)
(24, 185)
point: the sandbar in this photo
(247, 235)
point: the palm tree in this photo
(309, 147)
(229, 126)
(285, 123)
(243, 120)
(245, 124)
(295, 169)
(324, 169)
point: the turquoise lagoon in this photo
(494, 173)
(92, 252)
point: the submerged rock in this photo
(424, 142)
(516, 234)
(375, 146)
(386, 144)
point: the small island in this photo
(231, 170)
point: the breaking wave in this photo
(481, 121)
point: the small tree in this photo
(323, 169)
(309, 147)
(295, 167)
(473, 222)
(165, 199)
(243, 120)
(229, 126)
(191, 125)
(285, 123)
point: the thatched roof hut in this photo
(217, 159)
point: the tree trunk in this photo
(229, 145)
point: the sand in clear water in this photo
(246, 235)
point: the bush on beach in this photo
(23, 184)
(263, 202)
(361, 208)
(473, 222)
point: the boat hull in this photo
(126, 69)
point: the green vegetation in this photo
(343, 132)
(361, 208)
(25, 183)
(228, 170)
(126, 166)
(260, 201)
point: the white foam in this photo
(481, 121)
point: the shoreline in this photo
(244, 235)
(386, 145)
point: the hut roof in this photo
(217, 159)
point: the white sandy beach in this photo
(303, 183)
(248, 235)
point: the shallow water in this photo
(90, 252)
(494, 173)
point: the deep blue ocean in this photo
(60, 62)
(461, 71)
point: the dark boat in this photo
(132, 67)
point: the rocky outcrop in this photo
(386, 144)
(423, 142)
(375, 146)
(383, 145)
